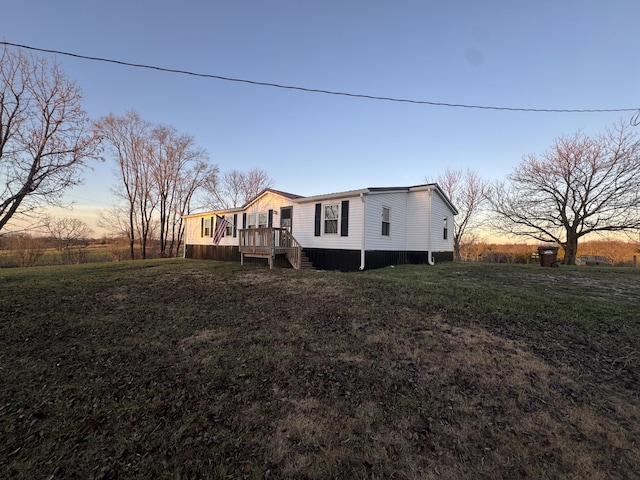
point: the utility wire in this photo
(635, 120)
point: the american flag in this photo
(221, 226)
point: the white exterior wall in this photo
(439, 210)
(304, 225)
(418, 220)
(192, 231)
(228, 240)
(269, 201)
(397, 204)
(410, 225)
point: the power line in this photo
(330, 92)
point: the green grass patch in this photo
(200, 369)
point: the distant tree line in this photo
(619, 252)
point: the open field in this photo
(198, 369)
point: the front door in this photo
(286, 214)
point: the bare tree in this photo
(160, 169)
(70, 236)
(472, 246)
(66, 232)
(191, 182)
(115, 220)
(581, 185)
(25, 248)
(127, 138)
(178, 169)
(235, 188)
(255, 181)
(466, 190)
(45, 136)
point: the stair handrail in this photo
(293, 248)
(268, 241)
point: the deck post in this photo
(273, 243)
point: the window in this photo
(331, 218)
(229, 230)
(285, 218)
(386, 224)
(206, 229)
(445, 228)
(257, 220)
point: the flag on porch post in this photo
(221, 226)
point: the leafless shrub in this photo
(25, 249)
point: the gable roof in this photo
(291, 196)
(351, 193)
(329, 196)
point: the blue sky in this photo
(544, 54)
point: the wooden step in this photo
(305, 263)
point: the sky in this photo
(543, 54)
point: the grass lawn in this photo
(185, 369)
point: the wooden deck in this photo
(267, 243)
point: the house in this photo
(348, 231)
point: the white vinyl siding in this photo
(260, 208)
(418, 220)
(304, 225)
(439, 210)
(192, 231)
(386, 222)
(396, 202)
(270, 201)
(412, 219)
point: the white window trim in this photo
(263, 216)
(324, 218)
(229, 230)
(388, 221)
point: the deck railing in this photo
(269, 242)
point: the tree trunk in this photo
(456, 249)
(570, 249)
(132, 237)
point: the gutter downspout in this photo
(364, 230)
(430, 260)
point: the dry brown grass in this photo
(201, 370)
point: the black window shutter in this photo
(235, 225)
(318, 219)
(211, 227)
(202, 227)
(344, 219)
(270, 224)
(244, 220)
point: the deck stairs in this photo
(270, 242)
